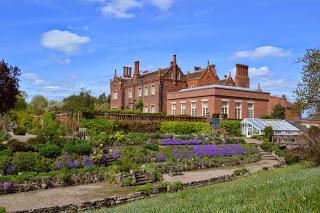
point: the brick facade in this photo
(152, 88)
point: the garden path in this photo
(21, 138)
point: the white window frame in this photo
(225, 109)
(145, 109)
(205, 109)
(250, 110)
(130, 93)
(193, 107)
(115, 95)
(152, 108)
(153, 89)
(139, 91)
(173, 108)
(238, 110)
(146, 90)
(183, 108)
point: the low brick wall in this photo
(117, 200)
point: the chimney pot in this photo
(174, 60)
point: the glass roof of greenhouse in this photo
(277, 125)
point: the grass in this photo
(295, 188)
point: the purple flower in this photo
(170, 141)
(59, 165)
(71, 165)
(7, 185)
(86, 161)
(149, 141)
(9, 170)
(116, 156)
(161, 158)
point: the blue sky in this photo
(62, 46)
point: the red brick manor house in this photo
(197, 93)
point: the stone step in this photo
(142, 179)
(144, 182)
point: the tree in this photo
(139, 105)
(21, 103)
(9, 86)
(39, 104)
(308, 89)
(81, 102)
(278, 112)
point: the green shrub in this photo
(148, 187)
(233, 127)
(3, 210)
(153, 147)
(127, 181)
(272, 147)
(20, 131)
(18, 146)
(30, 162)
(241, 171)
(268, 133)
(4, 161)
(292, 156)
(235, 140)
(184, 127)
(3, 136)
(81, 147)
(37, 140)
(6, 152)
(136, 138)
(49, 150)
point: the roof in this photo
(276, 124)
(218, 87)
(196, 74)
(150, 74)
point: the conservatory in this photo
(255, 126)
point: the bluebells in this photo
(161, 158)
(149, 141)
(170, 141)
(9, 170)
(59, 165)
(116, 156)
(7, 185)
(87, 162)
(208, 151)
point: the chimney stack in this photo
(137, 69)
(174, 60)
(124, 71)
(129, 71)
(242, 75)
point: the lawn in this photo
(292, 189)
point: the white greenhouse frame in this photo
(255, 126)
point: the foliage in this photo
(24, 119)
(21, 103)
(242, 195)
(153, 147)
(278, 112)
(184, 127)
(233, 127)
(136, 138)
(18, 146)
(241, 171)
(3, 136)
(3, 210)
(272, 147)
(268, 133)
(20, 131)
(30, 161)
(49, 150)
(310, 144)
(148, 187)
(4, 161)
(37, 140)
(139, 105)
(9, 86)
(235, 140)
(81, 147)
(39, 104)
(76, 103)
(307, 91)
(52, 127)
(118, 138)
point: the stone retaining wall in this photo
(116, 200)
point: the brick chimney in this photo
(125, 72)
(129, 72)
(136, 70)
(174, 60)
(242, 76)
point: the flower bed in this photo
(170, 141)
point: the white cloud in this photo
(64, 61)
(264, 51)
(33, 78)
(64, 41)
(120, 8)
(163, 5)
(257, 72)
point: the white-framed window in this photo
(191, 86)
(145, 109)
(173, 109)
(153, 89)
(139, 91)
(238, 110)
(250, 110)
(179, 76)
(183, 109)
(146, 91)
(130, 93)
(114, 95)
(152, 108)
(205, 108)
(171, 76)
(225, 108)
(193, 108)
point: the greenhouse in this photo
(255, 126)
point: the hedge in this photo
(233, 127)
(184, 127)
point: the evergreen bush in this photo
(233, 127)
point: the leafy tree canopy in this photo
(278, 112)
(39, 104)
(308, 90)
(9, 86)
(139, 105)
(81, 102)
